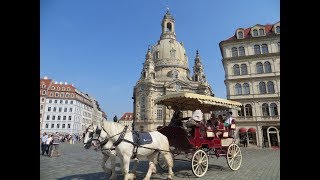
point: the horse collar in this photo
(121, 136)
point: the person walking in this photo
(43, 138)
(55, 145)
(49, 144)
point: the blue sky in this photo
(100, 45)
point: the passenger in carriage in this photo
(229, 120)
(196, 120)
(177, 119)
(220, 128)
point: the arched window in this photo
(270, 87)
(265, 109)
(172, 53)
(255, 33)
(261, 32)
(273, 109)
(278, 46)
(236, 70)
(241, 51)
(246, 88)
(248, 109)
(257, 49)
(43, 92)
(169, 27)
(244, 70)
(68, 89)
(238, 89)
(267, 67)
(241, 112)
(234, 51)
(259, 68)
(262, 88)
(240, 35)
(264, 48)
(159, 112)
(278, 29)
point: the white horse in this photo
(126, 148)
(107, 150)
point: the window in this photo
(261, 32)
(241, 112)
(65, 110)
(142, 102)
(246, 88)
(58, 88)
(156, 55)
(43, 86)
(41, 107)
(49, 108)
(278, 29)
(278, 46)
(52, 125)
(257, 49)
(63, 126)
(44, 92)
(248, 109)
(57, 94)
(69, 126)
(262, 88)
(54, 109)
(70, 109)
(51, 94)
(265, 109)
(47, 126)
(55, 101)
(42, 99)
(59, 117)
(71, 102)
(53, 117)
(238, 89)
(61, 101)
(67, 95)
(72, 95)
(159, 112)
(60, 109)
(241, 51)
(270, 87)
(66, 102)
(244, 69)
(64, 117)
(255, 33)
(236, 70)
(273, 109)
(240, 35)
(264, 48)
(58, 126)
(61, 94)
(69, 117)
(234, 52)
(173, 53)
(267, 67)
(48, 117)
(50, 101)
(63, 88)
(53, 88)
(68, 89)
(259, 68)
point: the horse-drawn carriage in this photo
(203, 142)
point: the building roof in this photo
(128, 116)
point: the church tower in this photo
(165, 70)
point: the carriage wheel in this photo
(200, 163)
(162, 162)
(234, 157)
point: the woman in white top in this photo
(48, 143)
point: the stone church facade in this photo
(165, 70)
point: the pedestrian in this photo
(43, 138)
(55, 145)
(49, 144)
(245, 141)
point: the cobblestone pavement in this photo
(77, 163)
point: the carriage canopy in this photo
(192, 101)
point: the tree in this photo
(115, 118)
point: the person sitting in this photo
(220, 128)
(177, 119)
(195, 120)
(229, 120)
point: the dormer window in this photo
(240, 35)
(255, 33)
(261, 32)
(278, 29)
(43, 86)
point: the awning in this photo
(242, 130)
(192, 101)
(251, 130)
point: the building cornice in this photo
(252, 57)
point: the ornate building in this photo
(251, 60)
(165, 70)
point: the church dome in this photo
(169, 53)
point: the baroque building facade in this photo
(165, 71)
(251, 60)
(65, 109)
